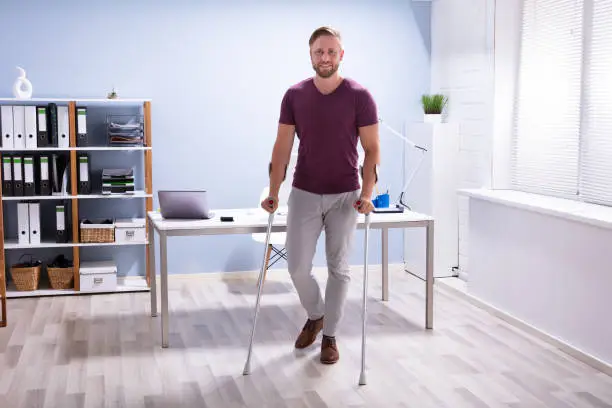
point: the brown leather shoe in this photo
(329, 350)
(309, 333)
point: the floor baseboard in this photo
(459, 288)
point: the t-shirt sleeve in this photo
(367, 112)
(286, 110)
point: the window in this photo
(562, 142)
(596, 160)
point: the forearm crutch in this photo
(247, 366)
(362, 376)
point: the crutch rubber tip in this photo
(247, 369)
(362, 379)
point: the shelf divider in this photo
(148, 181)
(74, 192)
(4, 320)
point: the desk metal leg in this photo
(429, 275)
(164, 286)
(152, 270)
(385, 263)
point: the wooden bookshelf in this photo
(148, 178)
(74, 199)
(74, 192)
(4, 320)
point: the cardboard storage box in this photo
(98, 276)
(130, 230)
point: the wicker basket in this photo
(97, 232)
(26, 275)
(60, 278)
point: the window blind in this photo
(545, 152)
(596, 161)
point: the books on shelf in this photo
(31, 127)
(34, 175)
(41, 124)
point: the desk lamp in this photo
(423, 150)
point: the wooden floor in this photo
(104, 351)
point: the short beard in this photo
(325, 74)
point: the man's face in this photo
(326, 53)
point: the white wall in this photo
(462, 67)
(507, 45)
(547, 271)
(475, 50)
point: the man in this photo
(330, 115)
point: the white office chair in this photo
(276, 245)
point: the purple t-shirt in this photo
(327, 127)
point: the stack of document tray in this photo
(125, 130)
(117, 181)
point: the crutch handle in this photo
(268, 204)
(358, 206)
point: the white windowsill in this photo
(588, 213)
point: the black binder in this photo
(17, 176)
(84, 172)
(44, 175)
(62, 223)
(81, 127)
(42, 138)
(7, 175)
(29, 186)
(52, 124)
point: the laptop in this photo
(184, 204)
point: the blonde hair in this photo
(324, 30)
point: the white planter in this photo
(432, 118)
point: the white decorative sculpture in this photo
(20, 83)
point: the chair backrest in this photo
(285, 190)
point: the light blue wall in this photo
(216, 71)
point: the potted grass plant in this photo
(433, 105)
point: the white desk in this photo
(248, 221)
